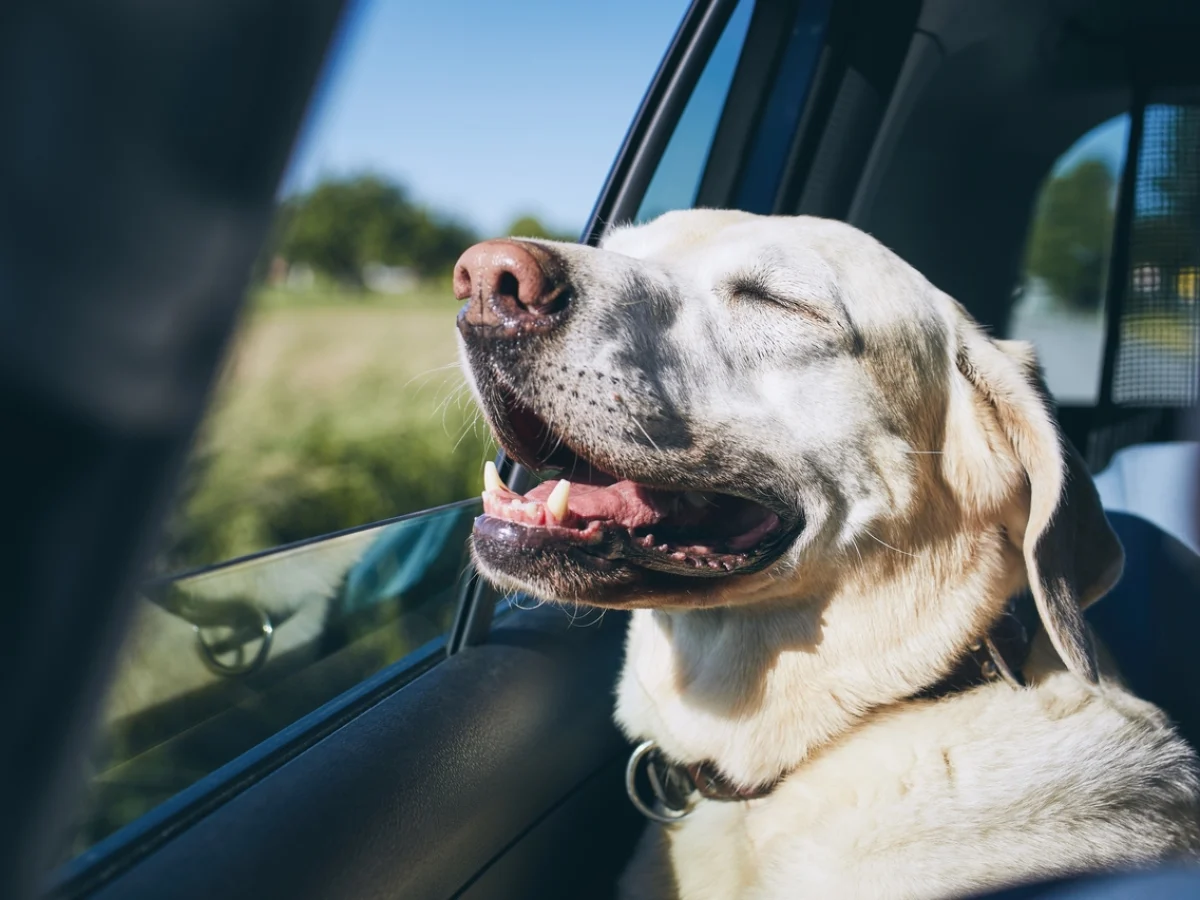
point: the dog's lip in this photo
(537, 539)
(665, 531)
(609, 553)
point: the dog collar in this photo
(998, 656)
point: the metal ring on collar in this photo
(209, 655)
(660, 812)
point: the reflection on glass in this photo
(223, 659)
(677, 178)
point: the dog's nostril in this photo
(509, 288)
(517, 286)
(462, 282)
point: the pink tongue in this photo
(625, 502)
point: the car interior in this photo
(358, 715)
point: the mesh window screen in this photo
(1158, 355)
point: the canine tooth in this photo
(556, 503)
(491, 477)
(696, 500)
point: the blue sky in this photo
(486, 108)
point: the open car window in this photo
(316, 555)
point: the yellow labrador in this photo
(819, 485)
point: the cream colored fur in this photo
(935, 486)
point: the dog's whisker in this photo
(854, 544)
(469, 429)
(512, 601)
(633, 419)
(889, 546)
(428, 372)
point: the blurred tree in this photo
(1069, 243)
(531, 227)
(343, 224)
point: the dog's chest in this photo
(942, 799)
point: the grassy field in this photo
(334, 409)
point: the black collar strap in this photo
(999, 656)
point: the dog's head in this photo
(746, 408)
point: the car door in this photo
(435, 740)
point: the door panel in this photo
(427, 788)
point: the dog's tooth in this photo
(491, 478)
(695, 499)
(556, 503)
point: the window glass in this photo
(274, 597)
(677, 177)
(1158, 354)
(1060, 302)
(220, 661)
(765, 163)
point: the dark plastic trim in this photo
(1118, 263)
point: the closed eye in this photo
(754, 290)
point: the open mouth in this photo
(602, 519)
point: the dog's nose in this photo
(511, 285)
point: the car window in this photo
(677, 177)
(319, 541)
(1060, 302)
(1158, 350)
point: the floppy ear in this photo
(1071, 554)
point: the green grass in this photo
(334, 409)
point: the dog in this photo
(819, 486)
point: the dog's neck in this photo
(758, 689)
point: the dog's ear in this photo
(1071, 553)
